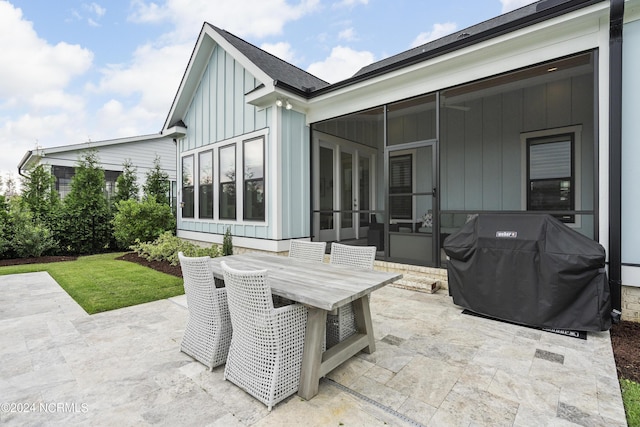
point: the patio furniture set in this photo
(281, 323)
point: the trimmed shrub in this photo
(30, 239)
(167, 246)
(141, 221)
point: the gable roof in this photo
(274, 72)
(282, 72)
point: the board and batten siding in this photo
(219, 114)
(631, 153)
(481, 149)
(296, 194)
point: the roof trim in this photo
(465, 38)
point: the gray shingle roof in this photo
(280, 71)
(502, 24)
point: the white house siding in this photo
(218, 115)
(112, 156)
(630, 159)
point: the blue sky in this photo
(75, 71)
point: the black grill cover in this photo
(529, 269)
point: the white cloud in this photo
(153, 76)
(348, 34)
(254, 18)
(509, 5)
(350, 3)
(437, 31)
(36, 105)
(343, 62)
(95, 8)
(282, 50)
(31, 65)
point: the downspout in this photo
(616, 17)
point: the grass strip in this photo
(101, 283)
(631, 401)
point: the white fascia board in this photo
(191, 78)
(631, 10)
(239, 242)
(100, 144)
(561, 36)
(176, 132)
(267, 96)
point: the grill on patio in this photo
(529, 269)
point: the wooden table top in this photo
(314, 284)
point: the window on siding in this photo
(227, 182)
(187, 187)
(551, 176)
(205, 184)
(110, 180)
(63, 175)
(401, 186)
(254, 203)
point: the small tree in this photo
(39, 194)
(127, 183)
(10, 189)
(5, 238)
(157, 183)
(144, 221)
(227, 243)
(86, 216)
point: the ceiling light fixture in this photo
(551, 69)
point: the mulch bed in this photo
(38, 260)
(625, 336)
(162, 266)
(625, 340)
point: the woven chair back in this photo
(311, 251)
(198, 279)
(355, 256)
(250, 303)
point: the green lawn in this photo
(631, 400)
(101, 283)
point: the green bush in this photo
(32, 241)
(167, 246)
(141, 221)
(5, 242)
(30, 237)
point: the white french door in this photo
(344, 189)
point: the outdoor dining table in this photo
(321, 287)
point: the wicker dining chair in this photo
(341, 323)
(207, 335)
(266, 348)
(311, 251)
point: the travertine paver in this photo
(433, 366)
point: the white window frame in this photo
(239, 143)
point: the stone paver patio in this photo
(434, 366)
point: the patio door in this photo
(412, 200)
(343, 189)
